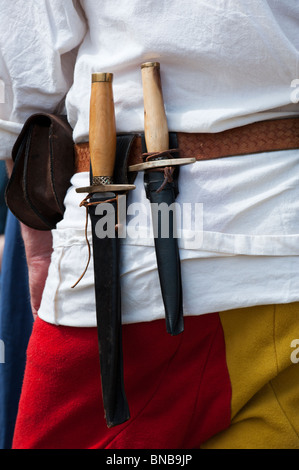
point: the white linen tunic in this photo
(223, 64)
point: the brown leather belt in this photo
(264, 136)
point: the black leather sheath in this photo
(167, 252)
(108, 293)
(108, 311)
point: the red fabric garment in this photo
(178, 388)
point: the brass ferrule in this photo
(102, 77)
(150, 64)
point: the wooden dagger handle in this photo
(102, 128)
(155, 122)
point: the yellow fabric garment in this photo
(262, 362)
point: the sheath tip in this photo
(117, 422)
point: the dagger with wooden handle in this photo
(102, 142)
(167, 252)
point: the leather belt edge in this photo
(258, 137)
